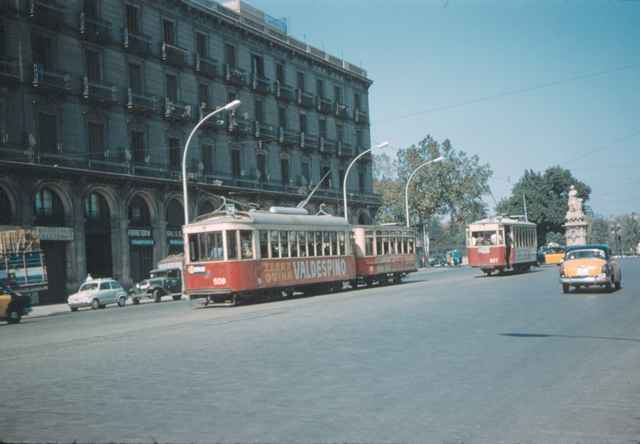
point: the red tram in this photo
(502, 244)
(233, 256)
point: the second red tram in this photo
(237, 255)
(500, 244)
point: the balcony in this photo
(284, 92)
(205, 67)
(136, 43)
(342, 112)
(263, 131)
(99, 93)
(234, 76)
(9, 71)
(47, 13)
(175, 111)
(308, 141)
(48, 81)
(360, 117)
(94, 29)
(213, 124)
(238, 126)
(327, 146)
(173, 55)
(345, 149)
(140, 103)
(288, 137)
(323, 105)
(260, 84)
(305, 99)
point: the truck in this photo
(22, 272)
(165, 280)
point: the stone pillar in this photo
(120, 250)
(160, 247)
(77, 261)
(576, 225)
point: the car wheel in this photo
(177, 297)
(136, 301)
(565, 288)
(74, 308)
(122, 301)
(13, 316)
(95, 304)
(157, 296)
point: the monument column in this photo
(576, 225)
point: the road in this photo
(447, 356)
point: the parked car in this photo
(161, 282)
(590, 265)
(98, 293)
(13, 305)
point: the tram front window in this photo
(484, 238)
(246, 244)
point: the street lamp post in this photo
(228, 107)
(406, 188)
(346, 176)
(616, 233)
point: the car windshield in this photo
(88, 287)
(586, 254)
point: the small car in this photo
(554, 255)
(98, 293)
(13, 305)
(590, 265)
(160, 283)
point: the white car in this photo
(97, 293)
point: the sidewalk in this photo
(40, 311)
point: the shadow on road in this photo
(543, 335)
(508, 273)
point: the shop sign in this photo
(140, 237)
(142, 242)
(64, 234)
(134, 232)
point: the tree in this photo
(547, 197)
(599, 230)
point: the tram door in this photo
(508, 241)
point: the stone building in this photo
(97, 98)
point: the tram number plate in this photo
(219, 281)
(493, 260)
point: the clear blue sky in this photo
(426, 57)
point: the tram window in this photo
(246, 244)
(318, 243)
(232, 244)
(402, 243)
(275, 244)
(396, 247)
(341, 244)
(293, 242)
(334, 243)
(214, 248)
(411, 246)
(368, 243)
(326, 244)
(194, 253)
(264, 244)
(480, 238)
(284, 244)
(302, 243)
(378, 243)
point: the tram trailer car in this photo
(501, 244)
(233, 256)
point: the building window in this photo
(93, 69)
(95, 207)
(230, 55)
(306, 172)
(3, 40)
(300, 80)
(48, 208)
(133, 19)
(6, 215)
(257, 66)
(282, 117)
(139, 213)
(96, 140)
(361, 181)
(340, 132)
(138, 151)
(203, 93)
(175, 161)
(359, 142)
(259, 110)
(172, 87)
(337, 93)
(135, 78)
(235, 163)
(47, 133)
(169, 32)
(280, 73)
(201, 44)
(261, 162)
(206, 154)
(284, 169)
(322, 125)
(90, 8)
(326, 183)
(356, 101)
(303, 123)
(340, 178)
(320, 88)
(41, 48)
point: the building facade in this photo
(98, 97)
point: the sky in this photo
(524, 84)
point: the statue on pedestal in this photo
(576, 225)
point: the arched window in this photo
(139, 213)
(48, 208)
(175, 214)
(6, 215)
(96, 208)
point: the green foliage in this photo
(553, 237)
(452, 187)
(547, 197)
(599, 231)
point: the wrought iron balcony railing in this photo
(305, 99)
(263, 131)
(47, 13)
(323, 105)
(238, 125)
(214, 123)
(140, 103)
(327, 146)
(360, 117)
(260, 84)
(234, 76)
(288, 137)
(342, 111)
(345, 149)
(9, 71)
(136, 43)
(95, 29)
(284, 92)
(205, 66)
(176, 111)
(308, 141)
(50, 81)
(99, 93)
(173, 55)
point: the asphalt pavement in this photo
(447, 356)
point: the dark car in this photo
(166, 282)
